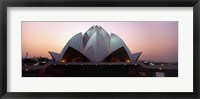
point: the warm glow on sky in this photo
(157, 40)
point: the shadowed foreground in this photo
(140, 69)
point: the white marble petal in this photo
(135, 56)
(55, 56)
(116, 42)
(75, 42)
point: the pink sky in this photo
(157, 40)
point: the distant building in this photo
(95, 45)
(26, 55)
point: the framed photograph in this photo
(91, 49)
(98, 53)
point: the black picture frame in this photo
(99, 3)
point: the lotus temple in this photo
(96, 53)
(95, 45)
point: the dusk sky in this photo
(158, 40)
